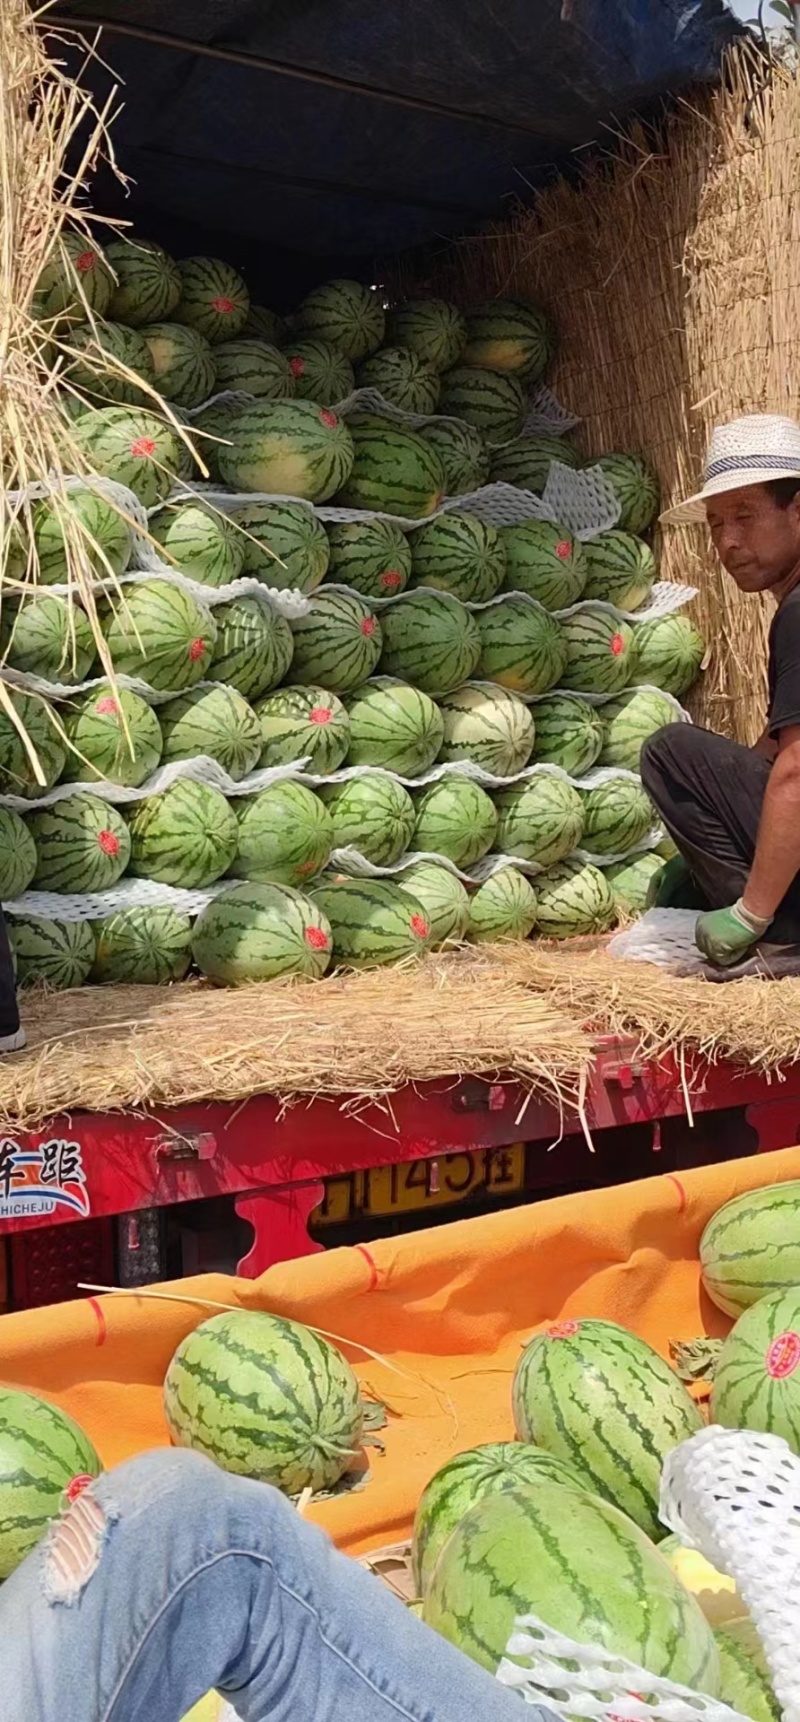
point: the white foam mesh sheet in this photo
(128, 894)
(201, 769)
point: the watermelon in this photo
(254, 367)
(287, 448)
(491, 1469)
(460, 554)
(569, 733)
(394, 471)
(101, 354)
(59, 953)
(522, 646)
(337, 643)
(372, 814)
(265, 1398)
(574, 899)
(503, 907)
(509, 335)
(394, 726)
(320, 372)
(96, 726)
(668, 654)
(462, 452)
(253, 649)
(617, 816)
(214, 299)
(48, 637)
(373, 557)
(134, 447)
(161, 634)
(265, 325)
(751, 1247)
(213, 428)
(189, 451)
(199, 541)
(98, 537)
(540, 819)
(546, 562)
(455, 818)
(576, 1563)
(40, 724)
(373, 921)
(186, 836)
(17, 855)
(443, 898)
(145, 946)
(622, 570)
(82, 844)
(757, 1375)
(75, 280)
(16, 562)
(488, 725)
(526, 461)
(402, 379)
(148, 284)
(215, 721)
(600, 651)
(184, 365)
(430, 640)
(635, 487)
(431, 328)
(599, 1396)
(630, 882)
(284, 544)
(717, 1594)
(347, 315)
(257, 932)
(285, 835)
(43, 1454)
(303, 723)
(628, 722)
(744, 1680)
(493, 403)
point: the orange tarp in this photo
(447, 1309)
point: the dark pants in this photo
(709, 792)
(9, 1015)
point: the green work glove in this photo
(726, 936)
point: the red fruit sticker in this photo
(196, 650)
(328, 419)
(564, 549)
(391, 578)
(316, 938)
(143, 445)
(86, 261)
(420, 926)
(77, 1486)
(563, 1330)
(368, 627)
(108, 842)
(307, 867)
(107, 707)
(320, 714)
(222, 305)
(296, 366)
(617, 644)
(783, 1356)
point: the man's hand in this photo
(725, 936)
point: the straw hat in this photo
(753, 450)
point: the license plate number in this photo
(380, 1192)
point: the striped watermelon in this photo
(162, 634)
(579, 1565)
(635, 487)
(602, 1398)
(622, 570)
(199, 541)
(373, 814)
(321, 373)
(82, 844)
(492, 402)
(442, 896)
(338, 643)
(546, 562)
(600, 651)
(253, 649)
(303, 723)
(430, 640)
(284, 544)
(265, 1398)
(214, 299)
(48, 637)
(569, 733)
(184, 365)
(488, 725)
(522, 646)
(455, 818)
(574, 899)
(346, 314)
(395, 471)
(617, 816)
(757, 1375)
(460, 554)
(132, 446)
(503, 907)
(186, 836)
(39, 722)
(148, 284)
(142, 946)
(266, 325)
(462, 452)
(668, 654)
(394, 726)
(254, 367)
(526, 461)
(60, 953)
(491, 1469)
(287, 448)
(212, 428)
(75, 277)
(371, 556)
(627, 723)
(373, 921)
(101, 355)
(431, 328)
(215, 721)
(99, 538)
(257, 932)
(17, 855)
(509, 335)
(285, 835)
(751, 1247)
(116, 736)
(630, 882)
(540, 819)
(44, 1458)
(401, 378)
(744, 1680)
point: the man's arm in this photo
(777, 858)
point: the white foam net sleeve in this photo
(664, 937)
(571, 1679)
(128, 894)
(583, 499)
(547, 414)
(200, 769)
(497, 504)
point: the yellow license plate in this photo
(380, 1192)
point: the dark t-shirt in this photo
(784, 664)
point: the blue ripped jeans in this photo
(168, 1577)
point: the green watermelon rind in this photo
(42, 1451)
(751, 1247)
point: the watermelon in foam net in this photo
(371, 556)
(460, 554)
(394, 470)
(144, 946)
(158, 632)
(184, 836)
(618, 815)
(668, 654)
(525, 462)
(522, 646)
(493, 403)
(503, 907)
(442, 896)
(266, 325)
(213, 721)
(17, 855)
(255, 368)
(133, 446)
(432, 328)
(631, 880)
(402, 378)
(199, 541)
(320, 372)
(751, 1246)
(373, 921)
(114, 735)
(600, 651)
(39, 721)
(286, 448)
(456, 818)
(98, 536)
(148, 282)
(628, 722)
(259, 931)
(82, 844)
(635, 487)
(337, 643)
(757, 1374)
(546, 562)
(50, 637)
(285, 835)
(509, 335)
(489, 726)
(541, 819)
(346, 314)
(744, 1680)
(463, 454)
(303, 723)
(621, 570)
(214, 299)
(58, 952)
(373, 814)
(394, 726)
(283, 544)
(75, 280)
(253, 647)
(569, 733)
(431, 640)
(103, 355)
(574, 899)
(183, 362)
(42, 1452)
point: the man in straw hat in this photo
(734, 812)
